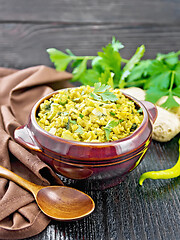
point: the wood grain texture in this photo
(28, 28)
(129, 211)
(101, 11)
(23, 45)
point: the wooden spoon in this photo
(58, 202)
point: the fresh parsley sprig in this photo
(159, 76)
(79, 130)
(108, 128)
(106, 67)
(101, 93)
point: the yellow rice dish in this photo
(86, 115)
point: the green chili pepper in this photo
(163, 174)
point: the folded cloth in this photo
(20, 216)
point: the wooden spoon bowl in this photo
(57, 202)
(64, 202)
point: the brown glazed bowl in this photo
(94, 166)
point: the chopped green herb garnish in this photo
(95, 96)
(73, 121)
(140, 110)
(109, 96)
(99, 87)
(68, 123)
(112, 113)
(63, 100)
(101, 92)
(133, 127)
(47, 106)
(121, 120)
(108, 128)
(79, 130)
(81, 115)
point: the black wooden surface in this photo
(27, 28)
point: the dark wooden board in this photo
(28, 28)
(129, 211)
(24, 45)
(83, 11)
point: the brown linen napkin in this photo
(20, 217)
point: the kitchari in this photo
(86, 114)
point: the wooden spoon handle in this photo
(5, 173)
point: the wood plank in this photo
(28, 28)
(78, 11)
(129, 211)
(24, 45)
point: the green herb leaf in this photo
(72, 121)
(79, 130)
(131, 63)
(111, 60)
(102, 91)
(139, 71)
(110, 81)
(81, 115)
(106, 78)
(90, 77)
(176, 91)
(99, 88)
(96, 64)
(116, 45)
(177, 75)
(108, 128)
(121, 120)
(68, 123)
(111, 124)
(159, 76)
(161, 81)
(157, 67)
(95, 96)
(170, 59)
(140, 110)
(60, 59)
(133, 127)
(69, 52)
(108, 96)
(154, 94)
(170, 102)
(107, 133)
(79, 70)
(47, 106)
(112, 113)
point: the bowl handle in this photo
(152, 110)
(25, 138)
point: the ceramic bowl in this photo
(95, 166)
